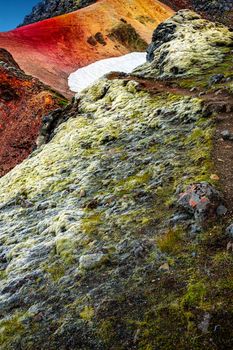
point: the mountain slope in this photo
(113, 232)
(24, 100)
(50, 50)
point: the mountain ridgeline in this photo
(217, 10)
(51, 8)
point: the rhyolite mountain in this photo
(116, 232)
(24, 100)
(51, 49)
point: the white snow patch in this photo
(86, 76)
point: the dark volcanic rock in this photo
(203, 201)
(162, 34)
(221, 10)
(51, 8)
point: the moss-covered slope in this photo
(94, 251)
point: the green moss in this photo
(132, 182)
(201, 81)
(126, 35)
(11, 327)
(66, 249)
(88, 313)
(2, 275)
(106, 330)
(195, 294)
(63, 103)
(172, 241)
(91, 223)
(56, 270)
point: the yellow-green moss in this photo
(195, 294)
(172, 241)
(88, 313)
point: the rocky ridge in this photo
(48, 9)
(113, 231)
(221, 10)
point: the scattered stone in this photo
(214, 177)
(204, 324)
(215, 79)
(179, 218)
(226, 135)
(229, 231)
(165, 267)
(221, 210)
(91, 261)
(193, 89)
(230, 246)
(201, 200)
(82, 193)
(195, 229)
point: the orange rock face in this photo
(50, 50)
(23, 102)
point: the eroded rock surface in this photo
(23, 102)
(186, 45)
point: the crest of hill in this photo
(51, 8)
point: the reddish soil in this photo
(23, 102)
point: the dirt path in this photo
(221, 103)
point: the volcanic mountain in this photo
(51, 49)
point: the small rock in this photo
(230, 246)
(229, 231)
(91, 261)
(221, 210)
(164, 267)
(82, 193)
(214, 177)
(193, 89)
(225, 134)
(215, 79)
(201, 200)
(195, 229)
(179, 218)
(204, 325)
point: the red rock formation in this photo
(23, 102)
(51, 49)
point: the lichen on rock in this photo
(185, 45)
